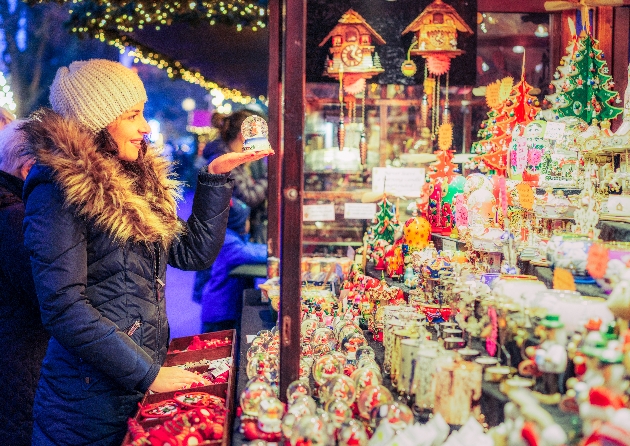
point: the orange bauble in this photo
(416, 233)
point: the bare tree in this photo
(36, 44)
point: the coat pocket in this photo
(92, 380)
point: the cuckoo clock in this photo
(352, 60)
(352, 50)
(435, 31)
(435, 39)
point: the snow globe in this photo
(296, 389)
(255, 132)
(270, 412)
(371, 397)
(325, 367)
(255, 391)
(365, 377)
(339, 411)
(352, 433)
(337, 386)
(310, 430)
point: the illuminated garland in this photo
(125, 16)
(109, 21)
(174, 69)
(6, 95)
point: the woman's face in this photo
(128, 131)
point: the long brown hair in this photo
(137, 169)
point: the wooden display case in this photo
(224, 390)
(395, 137)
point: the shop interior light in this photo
(518, 49)
(541, 31)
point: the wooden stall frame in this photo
(293, 77)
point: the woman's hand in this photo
(175, 378)
(227, 162)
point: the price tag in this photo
(563, 280)
(554, 130)
(449, 245)
(220, 370)
(521, 155)
(597, 261)
(359, 211)
(398, 181)
(525, 195)
(461, 213)
(250, 338)
(318, 212)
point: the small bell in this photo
(341, 134)
(363, 148)
(446, 114)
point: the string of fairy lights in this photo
(111, 21)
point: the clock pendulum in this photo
(363, 139)
(341, 130)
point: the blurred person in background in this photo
(22, 335)
(222, 295)
(250, 180)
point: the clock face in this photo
(438, 39)
(352, 55)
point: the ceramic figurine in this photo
(551, 355)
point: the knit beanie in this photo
(95, 92)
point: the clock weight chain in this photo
(341, 131)
(363, 139)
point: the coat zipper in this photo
(156, 253)
(160, 285)
(131, 330)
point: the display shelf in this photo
(256, 316)
(545, 274)
(439, 239)
(492, 399)
(372, 272)
(614, 231)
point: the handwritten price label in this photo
(461, 213)
(525, 195)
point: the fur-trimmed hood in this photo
(99, 187)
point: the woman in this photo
(22, 335)
(100, 227)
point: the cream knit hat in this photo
(95, 92)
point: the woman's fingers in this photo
(229, 161)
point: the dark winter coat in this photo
(22, 334)
(99, 252)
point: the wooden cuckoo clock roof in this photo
(438, 6)
(351, 17)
